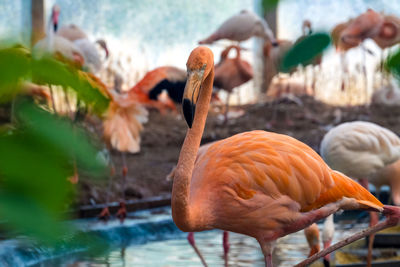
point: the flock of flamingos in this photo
(261, 184)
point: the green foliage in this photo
(39, 149)
(269, 4)
(35, 160)
(392, 64)
(17, 65)
(305, 51)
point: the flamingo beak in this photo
(191, 95)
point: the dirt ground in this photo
(164, 135)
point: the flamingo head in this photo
(103, 45)
(55, 13)
(199, 66)
(306, 25)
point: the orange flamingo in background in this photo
(231, 73)
(241, 27)
(260, 184)
(366, 25)
(154, 82)
(122, 125)
(373, 149)
(312, 236)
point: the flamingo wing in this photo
(271, 167)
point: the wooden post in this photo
(38, 20)
(268, 66)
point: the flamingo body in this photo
(241, 27)
(154, 82)
(365, 26)
(90, 53)
(232, 72)
(72, 32)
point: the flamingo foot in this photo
(190, 238)
(121, 213)
(104, 214)
(226, 245)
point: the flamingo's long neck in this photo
(185, 218)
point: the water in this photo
(150, 239)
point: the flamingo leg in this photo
(227, 107)
(226, 245)
(190, 238)
(121, 213)
(105, 213)
(267, 249)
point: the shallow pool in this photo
(151, 239)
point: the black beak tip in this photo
(188, 111)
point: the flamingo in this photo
(312, 236)
(54, 44)
(306, 31)
(231, 73)
(72, 32)
(241, 184)
(89, 50)
(154, 82)
(328, 232)
(366, 25)
(370, 147)
(122, 125)
(241, 27)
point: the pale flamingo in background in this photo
(241, 27)
(54, 44)
(72, 32)
(312, 236)
(148, 89)
(93, 60)
(231, 73)
(328, 232)
(370, 147)
(260, 184)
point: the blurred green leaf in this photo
(24, 214)
(305, 51)
(14, 68)
(70, 140)
(50, 71)
(269, 4)
(392, 64)
(36, 158)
